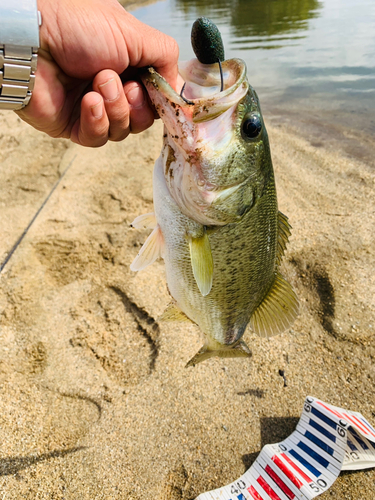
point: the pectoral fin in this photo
(237, 350)
(277, 311)
(202, 262)
(152, 249)
(145, 221)
(173, 313)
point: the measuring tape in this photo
(326, 441)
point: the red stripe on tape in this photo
(368, 425)
(253, 492)
(267, 488)
(335, 412)
(289, 474)
(356, 422)
(280, 483)
(296, 468)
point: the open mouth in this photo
(199, 129)
(202, 89)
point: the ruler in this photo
(326, 441)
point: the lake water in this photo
(312, 62)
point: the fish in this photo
(216, 221)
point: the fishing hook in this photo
(221, 85)
(184, 98)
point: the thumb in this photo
(150, 47)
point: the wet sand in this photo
(96, 402)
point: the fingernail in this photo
(135, 97)
(109, 90)
(97, 110)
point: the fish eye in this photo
(251, 126)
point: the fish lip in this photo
(150, 77)
(203, 108)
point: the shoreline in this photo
(131, 5)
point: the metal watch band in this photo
(19, 43)
(17, 76)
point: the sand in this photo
(96, 402)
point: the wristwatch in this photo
(19, 43)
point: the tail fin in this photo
(237, 350)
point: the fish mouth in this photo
(198, 133)
(202, 89)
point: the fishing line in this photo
(14, 248)
(221, 85)
(221, 76)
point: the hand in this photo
(85, 46)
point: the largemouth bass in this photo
(216, 222)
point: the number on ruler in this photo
(236, 487)
(341, 431)
(319, 485)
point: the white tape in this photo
(326, 441)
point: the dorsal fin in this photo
(277, 311)
(173, 313)
(202, 262)
(283, 236)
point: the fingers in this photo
(91, 129)
(126, 105)
(108, 84)
(112, 111)
(141, 113)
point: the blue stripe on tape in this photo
(352, 446)
(305, 463)
(319, 443)
(322, 461)
(241, 497)
(359, 439)
(322, 417)
(322, 430)
(368, 424)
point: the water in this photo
(312, 62)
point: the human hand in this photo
(85, 46)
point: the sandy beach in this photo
(96, 402)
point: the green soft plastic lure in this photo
(206, 41)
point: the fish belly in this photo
(244, 256)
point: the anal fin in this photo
(152, 249)
(173, 313)
(278, 310)
(237, 350)
(202, 262)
